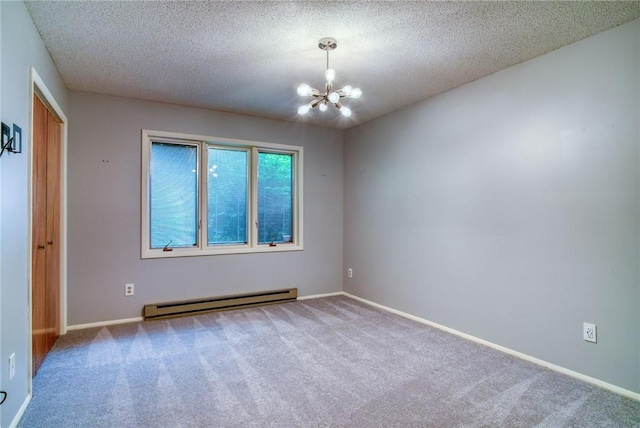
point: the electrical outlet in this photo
(12, 366)
(589, 332)
(350, 273)
(128, 289)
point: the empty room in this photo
(318, 213)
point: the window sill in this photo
(189, 252)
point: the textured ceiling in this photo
(249, 57)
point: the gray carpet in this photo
(324, 362)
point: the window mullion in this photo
(203, 180)
(294, 198)
(253, 183)
(146, 195)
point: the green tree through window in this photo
(275, 202)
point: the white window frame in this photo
(202, 248)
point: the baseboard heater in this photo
(219, 303)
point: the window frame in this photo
(204, 142)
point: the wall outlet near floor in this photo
(589, 332)
(12, 366)
(350, 273)
(128, 289)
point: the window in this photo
(227, 196)
(275, 203)
(205, 195)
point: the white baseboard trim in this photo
(317, 296)
(104, 323)
(21, 410)
(137, 319)
(597, 382)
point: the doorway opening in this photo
(47, 221)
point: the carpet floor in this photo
(327, 362)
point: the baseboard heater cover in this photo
(219, 303)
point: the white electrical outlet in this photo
(589, 332)
(128, 289)
(350, 273)
(12, 366)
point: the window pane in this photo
(227, 196)
(174, 195)
(275, 201)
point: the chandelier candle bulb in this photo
(302, 110)
(323, 106)
(305, 90)
(355, 93)
(334, 97)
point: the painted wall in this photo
(509, 208)
(104, 211)
(21, 49)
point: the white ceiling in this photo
(249, 57)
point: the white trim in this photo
(254, 231)
(210, 251)
(317, 296)
(104, 323)
(20, 413)
(597, 382)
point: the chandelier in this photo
(329, 96)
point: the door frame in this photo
(38, 87)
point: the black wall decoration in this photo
(8, 143)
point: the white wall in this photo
(508, 208)
(21, 49)
(104, 211)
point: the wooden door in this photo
(39, 233)
(45, 287)
(52, 262)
